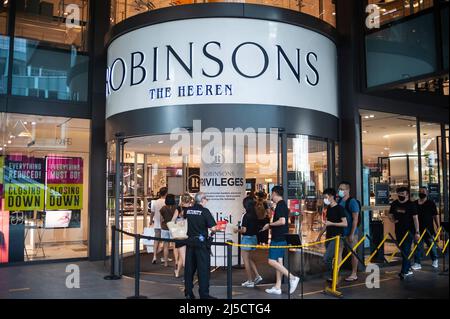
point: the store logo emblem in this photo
(234, 146)
(73, 280)
(72, 14)
(373, 19)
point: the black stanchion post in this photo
(112, 275)
(239, 247)
(302, 272)
(229, 271)
(289, 274)
(137, 268)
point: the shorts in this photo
(165, 234)
(249, 240)
(276, 253)
(354, 242)
(158, 232)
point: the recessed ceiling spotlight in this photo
(160, 142)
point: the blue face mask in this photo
(341, 193)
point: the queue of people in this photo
(342, 218)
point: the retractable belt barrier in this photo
(137, 260)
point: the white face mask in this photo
(326, 201)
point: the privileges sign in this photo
(64, 183)
(24, 183)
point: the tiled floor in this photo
(49, 281)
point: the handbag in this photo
(178, 230)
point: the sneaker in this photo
(435, 264)
(257, 280)
(293, 283)
(408, 274)
(416, 266)
(168, 259)
(248, 284)
(273, 291)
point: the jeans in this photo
(329, 255)
(418, 256)
(406, 250)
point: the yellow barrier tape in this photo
(376, 250)
(353, 248)
(416, 245)
(399, 245)
(280, 247)
(445, 247)
(435, 239)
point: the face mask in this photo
(422, 195)
(401, 198)
(341, 194)
(326, 201)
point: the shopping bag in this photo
(178, 230)
(148, 231)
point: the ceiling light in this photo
(366, 116)
(25, 123)
(365, 132)
(160, 142)
(371, 116)
(33, 123)
(1, 148)
(386, 136)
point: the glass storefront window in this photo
(4, 47)
(62, 23)
(44, 173)
(50, 50)
(444, 28)
(43, 71)
(322, 9)
(307, 178)
(397, 9)
(430, 135)
(402, 51)
(390, 160)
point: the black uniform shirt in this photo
(426, 212)
(199, 220)
(279, 232)
(403, 213)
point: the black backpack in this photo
(347, 208)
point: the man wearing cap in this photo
(199, 220)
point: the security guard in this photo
(199, 220)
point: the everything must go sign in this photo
(64, 183)
(51, 183)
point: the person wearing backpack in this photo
(352, 209)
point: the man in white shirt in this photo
(156, 219)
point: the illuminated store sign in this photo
(221, 61)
